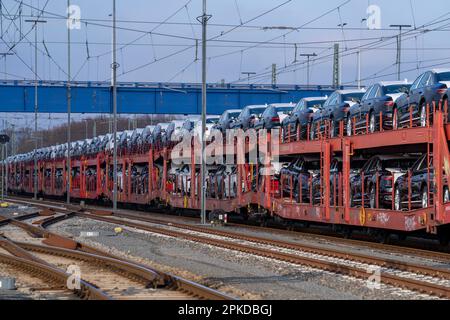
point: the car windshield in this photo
(257, 111)
(444, 76)
(396, 88)
(352, 96)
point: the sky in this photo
(239, 58)
(244, 40)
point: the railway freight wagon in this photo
(382, 181)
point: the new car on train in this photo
(377, 178)
(416, 187)
(430, 87)
(334, 110)
(300, 117)
(380, 100)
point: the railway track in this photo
(420, 278)
(52, 277)
(103, 275)
(414, 250)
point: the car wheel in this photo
(373, 202)
(397, 199)
(425, 197)
(446, 195)
(395, 119)
(372, 123)
(423, 115)
(349, 126)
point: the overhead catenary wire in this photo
(284, 43)
(24, 36)
(212, 39)
(432, 22)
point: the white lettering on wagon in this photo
(410, 223)
(383, 217)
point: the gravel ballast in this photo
(246, 276)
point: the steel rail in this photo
(398, 249)
(105, 216)
(52, 274)
(75, 249)
(388, 263)
(408, 283)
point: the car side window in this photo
(378, 92)
(432, 80)
(298, 164)
(367, 94)
(416, 83)
(223, 117)
(367, 165)
(301, 106)
(330, 99)
(422, 164)
(374, 92)
(334, 100)
(425, 80)
(372, 165)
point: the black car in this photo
(296, 174)
(334, 110)
(248, 117)
(301, 116)
(335, 169)
(380, 98)
(421, 183)
(429, 87)
(226, 119)
(383, 169)
(335, 176)
(274, 115)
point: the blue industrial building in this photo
(146, 98)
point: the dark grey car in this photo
(334, 110)
(301, 116)
(248, 117)
(274, 115)
(226, 119)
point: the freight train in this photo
(353, 160)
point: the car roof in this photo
(440, 70)
(393, 83)
(256, 106)
(351, 91)
(314, 99)
(233, 110)
(281, 105)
